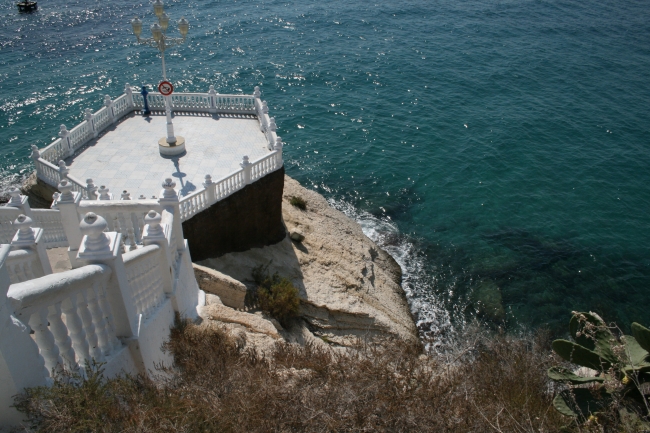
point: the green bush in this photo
(276, 295)
(298, 202)
(614, 396)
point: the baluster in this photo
(45, 341)
(124, 227)
(105, 306)
(89, 326)
(131, 236)
(75, 327)
(98, 320)
(60, 332)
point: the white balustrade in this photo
(235, 104)
(264, 166)
(194, 203)
(47, 172)
(80, 135)
(50, 221)
(121, 215)
(145, 279)
(7, 216)
(199, 102)
(172, 240)
(229, 184)
(102, 119)
(23, 265)
(71, 326)
(121, 106)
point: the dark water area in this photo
(498, 149)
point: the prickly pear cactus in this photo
(615, 388)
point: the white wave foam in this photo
(433, 320)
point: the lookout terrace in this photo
(228, 141)
(128, 207)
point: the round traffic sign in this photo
(165, 88)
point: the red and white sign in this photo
(165, 88)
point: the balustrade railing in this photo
(191, 102)
(69, 314)
(121, 106)
(123, 216)
(145, 279)
(8, 215)
(194, 203)
(50, 221)
(23, 265)
(47, 158)
(170, 236)
(235, 104)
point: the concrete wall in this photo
(249, 218)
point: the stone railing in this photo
(47, 219)
(51, 168)
(72, 322)
(213, 192)
(115, 306)
(145, 279)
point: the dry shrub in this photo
(218, 384)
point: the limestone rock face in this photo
(231, 292)
(349, 287)
(38, 192)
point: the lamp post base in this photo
(171, 149)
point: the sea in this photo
(498, 149)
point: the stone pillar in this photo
(91, 190)
(67, 205)
(125, 195)
(102, 247)
(256, 93)
(209, 189)
(128, 91)
(31, 238)
(35, 153)
(169, 201)
(65, 140)
(63, 170)
(156, 233)
(246, 166)
(19, 201)
(109, 107)
(104, 193)
(213, 99)
(278, 146)
(22, 364)
(89, 116)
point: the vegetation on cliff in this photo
(218, 383)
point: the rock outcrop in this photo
(231, 292)
(38, 192)
(349, 287)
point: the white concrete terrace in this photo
(230, 142)
(126, 156)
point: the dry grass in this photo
(218, 385)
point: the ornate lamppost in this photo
(170, 145)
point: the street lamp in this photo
(161, 41)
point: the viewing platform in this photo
(114, 153)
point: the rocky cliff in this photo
(349, 287)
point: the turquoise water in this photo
(499, 149)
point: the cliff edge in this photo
(349, 287)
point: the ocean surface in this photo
(498, 149)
